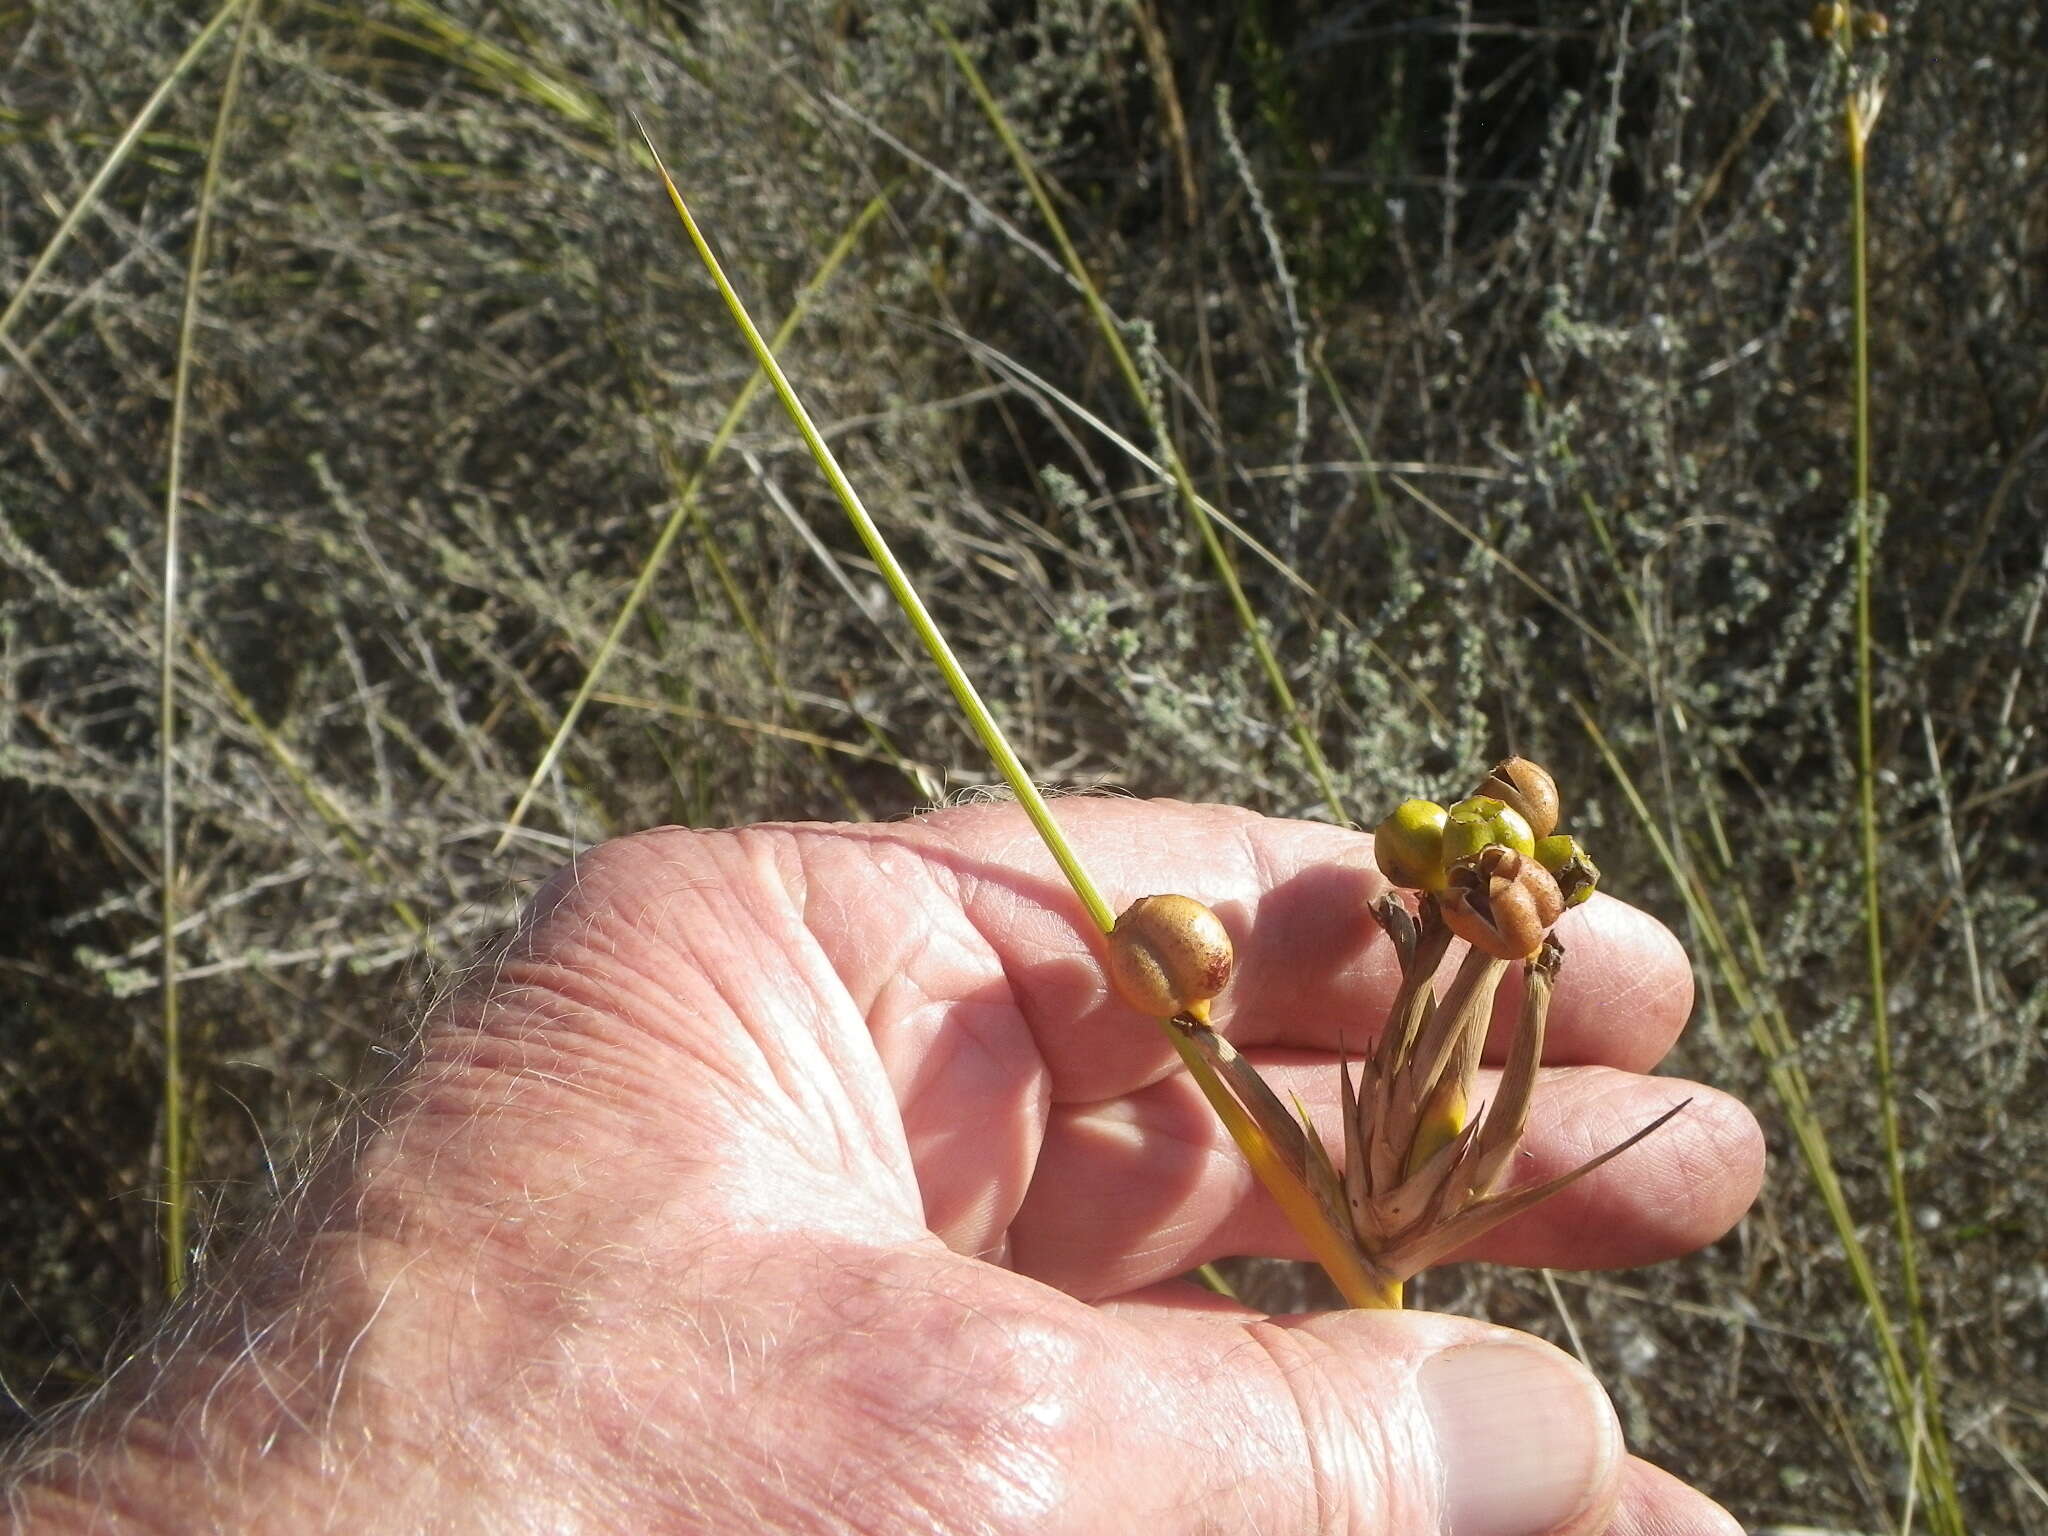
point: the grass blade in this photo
(1944, 1509)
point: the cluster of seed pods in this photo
(1421, 1157)
(1498, 867)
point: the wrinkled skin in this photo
(807, 1178)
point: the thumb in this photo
(1394, 1424)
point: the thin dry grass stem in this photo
(1776, 1043)
(116, 158)
(910, 768)
(1568, 612)
(685, 512)
(1863, 99)
(1267, 556)
(770, 658)
(373, 862)
(1148, 403)
(177, 1196)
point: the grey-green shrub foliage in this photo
(1575, 274)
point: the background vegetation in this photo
(1517, 335)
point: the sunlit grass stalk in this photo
(498, 65)
(1155, 417)
(686, 502)
(1944, 1509)
(1289, 1192)
(177, 1194)
(983, 723)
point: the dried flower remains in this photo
(1421, 1160)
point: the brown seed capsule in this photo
(1871, 24)
(1528, 788)
(1501, 903)
(1169, 955)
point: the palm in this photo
(848, 1064)
(915, 1021)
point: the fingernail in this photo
(1527, 1438)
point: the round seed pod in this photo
(1409, 845)
(1485, 822)
(1570, 865)
(1525, 787)
(1501, 903)
(1169, 955)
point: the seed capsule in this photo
(1826, 20)
(1501, 903)
(1525, 787)
(1575, 872)
(1484, 822)
(1169, 955)
(1409, 845)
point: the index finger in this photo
(1314, 971)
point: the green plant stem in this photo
(984, 723)
(1155, 418)
(1943, 1510)
(1338, 1258)
(177, 1193)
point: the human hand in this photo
(807, 1178)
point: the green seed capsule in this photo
(1577, 874)
(1484, 822)
(1409, 845)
